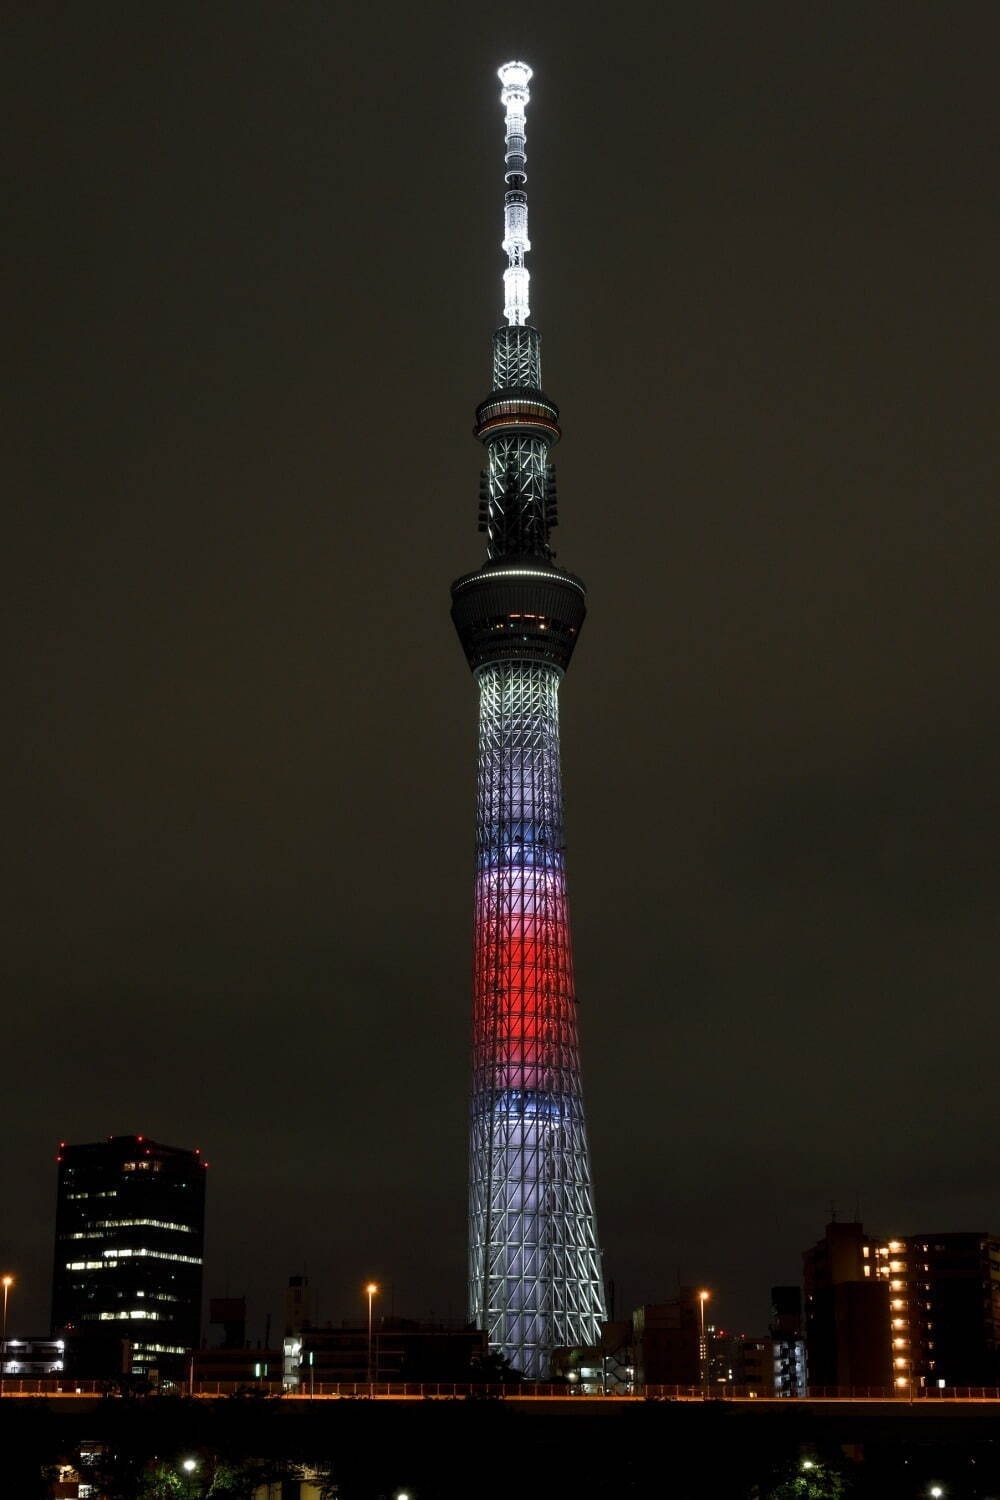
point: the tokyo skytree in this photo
(535, 1280)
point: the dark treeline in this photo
(442, 1450)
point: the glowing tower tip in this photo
(514, 96)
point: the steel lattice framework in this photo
(516, 359)
(535, 1278)
(535, 1274)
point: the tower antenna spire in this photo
(514, 96)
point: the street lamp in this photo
(371, 1289)
(702, 1345)
(6, 1282)
(935, 1492)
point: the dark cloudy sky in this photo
(252, 271)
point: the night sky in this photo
(253, 269)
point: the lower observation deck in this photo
(518, 410)
(518, 610)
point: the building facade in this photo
(130, 1229)
(402, 1350)
(535, 1278)
(35, 1357)
(917, 1313)
(243, 1366)
(846, 1285)
(667, 1342)
(603, 1369)
(753, 1366)
(662, 1345)
(944, 1304)
(788, 1342)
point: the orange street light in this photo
(6, 1282)
(371, 1289)
(702, 1344)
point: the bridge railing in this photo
(726, 1392)
(360, 1390)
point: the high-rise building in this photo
(944, 1306)
(920, 1312)
(847, 1310)
(535, 1267)
(130, 1229)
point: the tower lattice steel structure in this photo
(534, 1263)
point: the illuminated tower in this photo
(534, 1264)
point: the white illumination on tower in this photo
(514, 96)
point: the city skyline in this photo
(874, 1315)
(246, 325)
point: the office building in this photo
(130, 1227)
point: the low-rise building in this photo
(402, 1350)
(666, 1341)
(236, 1366)
(754, 1371)
(788, 1342)
(36, 1357)
(606, 1368)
